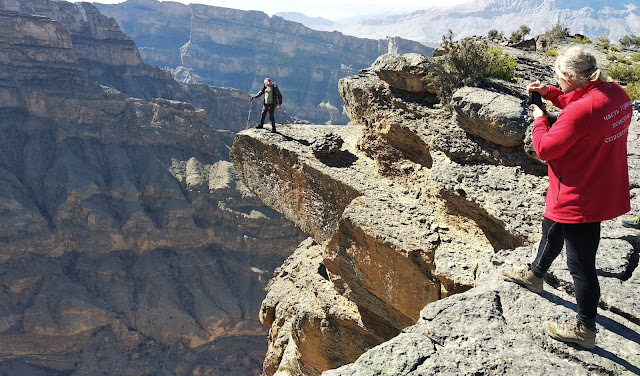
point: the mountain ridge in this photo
(591, 18)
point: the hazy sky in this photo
(331, 9)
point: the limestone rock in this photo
(408, 72)
(326, 146)
(426, 210)
(497, 118)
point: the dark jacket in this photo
(276, 92)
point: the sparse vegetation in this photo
(500, 65)
(552, 52)
(468, 61)
(627, 75)
(495, 34)
(633, 91)
(556, 33)
(630, 40)
(448, 38)
(519, 35)
(604, 42)
(582, 40)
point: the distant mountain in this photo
(614, 19)
(310, 22)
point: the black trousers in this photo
(582, 242)
(270, 108)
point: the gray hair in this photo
(579, 64)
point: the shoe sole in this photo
(588, 346)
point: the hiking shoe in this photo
(573, 332)
(524, 277)
(259, 126)
(632, 223)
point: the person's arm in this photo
(552, 142)
(259, 94)
(552, 95)
(278, 98)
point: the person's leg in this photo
(531, 276)
(265, 109)
(549, 248)
(582, 244)
(272, 117)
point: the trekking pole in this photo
(249, 116)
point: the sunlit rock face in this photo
(411, 222)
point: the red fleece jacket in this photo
(586, 150)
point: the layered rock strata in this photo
(127, 243)
(112, 59)
(422, 208)
(233, 48)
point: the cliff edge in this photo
(412, 212)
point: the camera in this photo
(535, 98)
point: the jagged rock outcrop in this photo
(422, 211)
(234, 48)
(127, 243)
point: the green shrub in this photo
(468, 61)
(493, 34)
(635, 57)
(603, 41)
(556, 33)
(582, 40)
(633, 91)
(630, 40)
(612, 57)
(552, 52)
(625, 73)
(500, 65)
(518, 35)
(614, 48)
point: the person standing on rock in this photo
(586, 151)
(272, 98)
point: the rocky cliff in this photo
(127, 244)
(233, 48)
(411, 218)
(112, 59)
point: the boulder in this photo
(327, 145)
(408, 72)
(498, 118)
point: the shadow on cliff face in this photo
(493, 228)
(342, 159)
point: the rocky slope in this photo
(421, 207)
(127, 243)
(233, 48)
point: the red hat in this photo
(267, 82)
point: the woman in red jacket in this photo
(586, 151)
